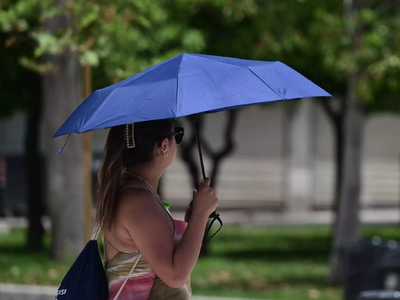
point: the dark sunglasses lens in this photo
(179, 138)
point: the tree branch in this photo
(187, 154)
(228, 148)
(333, 115)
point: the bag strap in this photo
(95, 235)
(127, 277)
(95, 232)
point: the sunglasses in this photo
(178, 133)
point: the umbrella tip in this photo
(59, 151)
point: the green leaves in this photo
(365, 44)
(48, 43)
(123, 37)
(194, 40)
(89, 58)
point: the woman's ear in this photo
(164, 144)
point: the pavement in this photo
(34, 292)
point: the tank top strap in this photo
(139, 185)
(106, 239)
(126, 252)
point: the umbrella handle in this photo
(214, 216)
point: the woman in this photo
(148, 254)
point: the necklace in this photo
(148, 186)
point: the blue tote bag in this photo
(86, 279)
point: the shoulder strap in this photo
(137, 185)
(95, 235)
(127, 277)
(95, 232)
(105, 263)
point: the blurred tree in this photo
(366, 51)
(190, 149)
(62, 93)
(20, 90)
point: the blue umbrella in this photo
(189, 84)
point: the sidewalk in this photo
(34, 292)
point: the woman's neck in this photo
(150, 176)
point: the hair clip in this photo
(130, 136)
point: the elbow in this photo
(176, 281)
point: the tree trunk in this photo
(339, 148)
(336, 116)
(62, 94)
(34, 173)
(347, 230)
(300, 155)
(347, 223)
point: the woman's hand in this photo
(205, 201)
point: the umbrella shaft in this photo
(199, 147)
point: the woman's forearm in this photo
(188, 250)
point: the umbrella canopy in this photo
(189, 84)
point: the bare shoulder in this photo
(136, 201)
(138, 208)
(149, 226)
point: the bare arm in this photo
(188, 250)
(146, 223)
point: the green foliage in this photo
(123, 37)
(120, 38)
(367, 45)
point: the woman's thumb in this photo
(206, 182)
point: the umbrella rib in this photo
(264, 83)
(176, 96)
(177, 89)
(204, 56)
